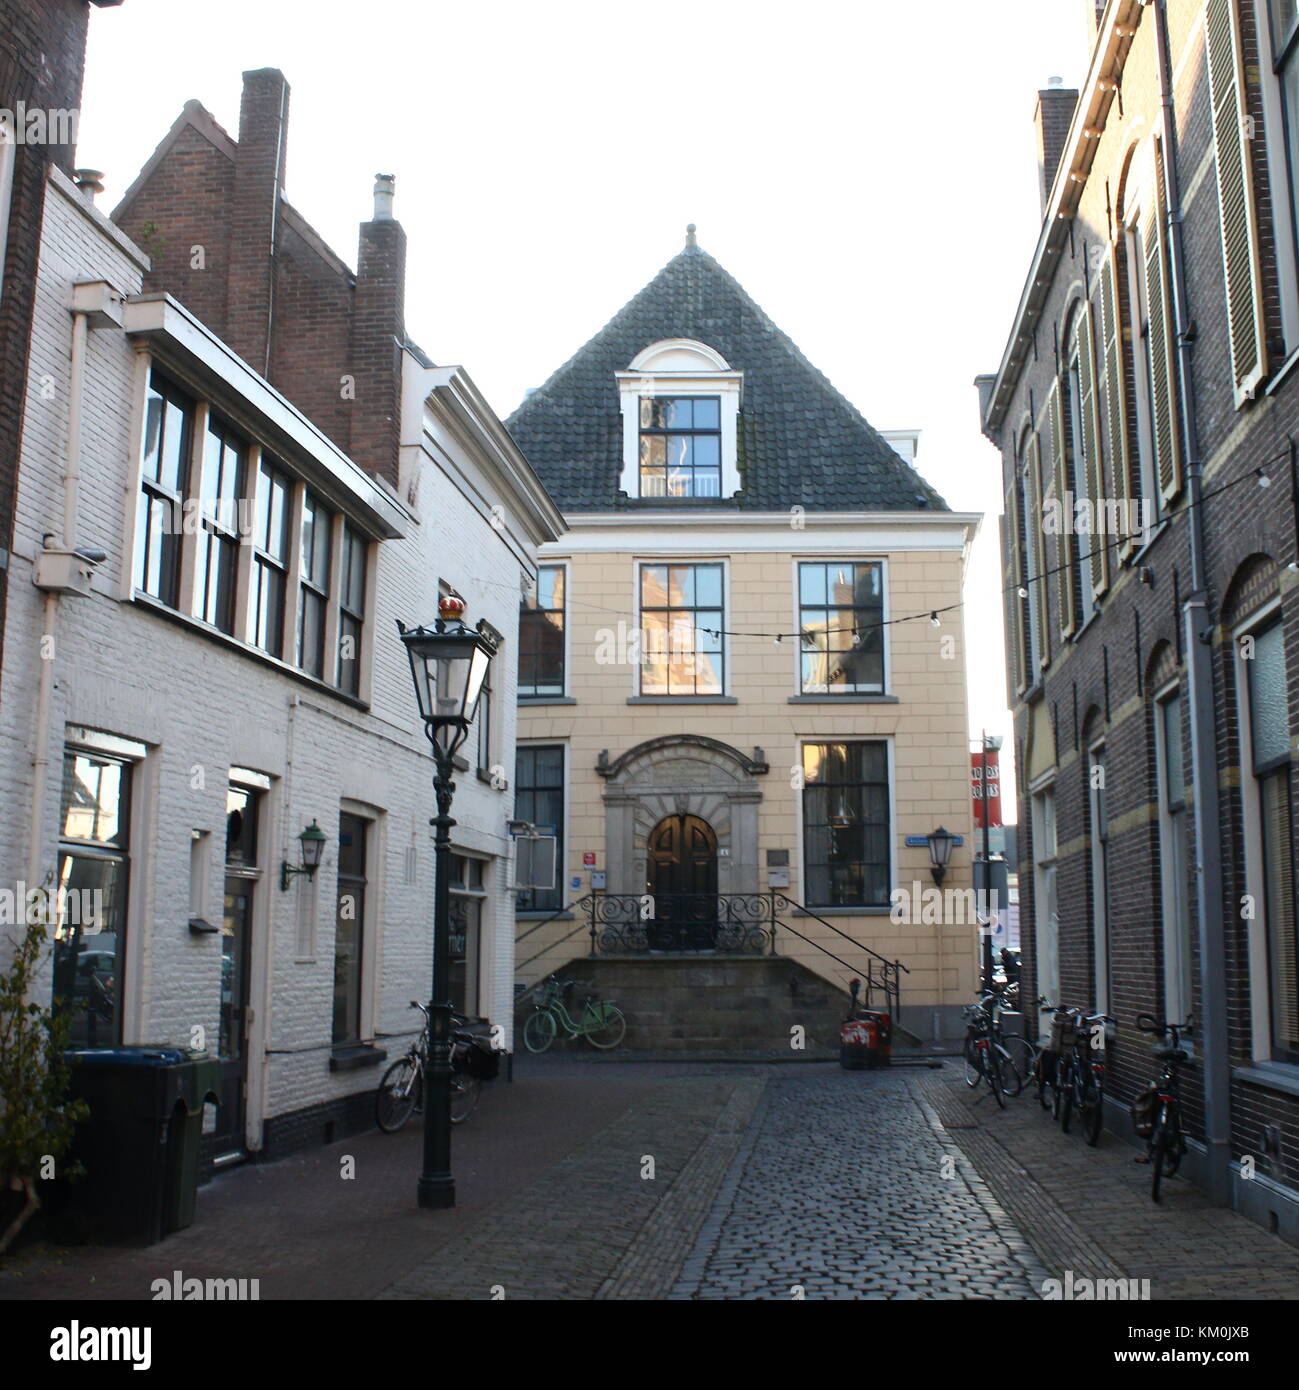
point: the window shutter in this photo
(1099, 542)
(1231, 141)
(1168, 457)
(1114, 405)
(1038, 588)
(1064, 564)
(1016, 607)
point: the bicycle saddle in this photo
(1171, 1054)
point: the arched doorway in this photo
(682, 879)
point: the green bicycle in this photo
(601, 1023)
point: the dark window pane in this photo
(349, 919)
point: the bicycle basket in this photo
(1063, 1033)
(1143, 1112)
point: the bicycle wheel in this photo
(996, 1082)
(465, 1090)
(1175, 1145)
(1061, 1086)
(1012, 1079)
(539, 1031)
(1069, 1105)
(1093, 1111)
(398, 1094)
(1158, 1157)
(1043, 1070)
(973, 1064)
(1024, 1055)
(610, 1030)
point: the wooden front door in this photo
(683, 883)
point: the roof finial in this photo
(690, 235)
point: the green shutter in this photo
(1231, 143)
(1114, 404)
(1063, 562)
(1038, 587)
(1013, 578)
(1168, 455)
(1099, 542)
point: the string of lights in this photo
(934, 615)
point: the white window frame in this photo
(637, 667)
(1077, 471)
(1260, 965)
(533, 583)
(207, 402)
(680, 367)
(561, 859)
(1174, 896)
(796, 610)
(1278, 175)
(891, 768)
(376, 860)
(1098, 865)
(1135, 257)
(1046, 924)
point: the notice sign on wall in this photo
(588, 859)
(989, 796)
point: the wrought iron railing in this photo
(635, 924)
(723, 923)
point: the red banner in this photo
(992, 800)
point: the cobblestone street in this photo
(848, 1189)
(618, 1180)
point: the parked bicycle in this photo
(987, 1058)
(1158, 1111)
(1083, 1090)
(601, 1022)
(401, 1092)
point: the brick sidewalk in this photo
(1089, 1210)
(304, 1232)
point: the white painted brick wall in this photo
(202, 706)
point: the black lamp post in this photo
(449, 664)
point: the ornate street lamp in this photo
(940, 852)
(449, 664)
(312, 840)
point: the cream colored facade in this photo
(752, 796)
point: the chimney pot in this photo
(89, 182)
(384, 185)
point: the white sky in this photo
(866, 170)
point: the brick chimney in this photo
(1055, 108)
(378, 332)
(254, 214)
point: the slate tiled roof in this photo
(800, 442)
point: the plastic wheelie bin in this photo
(202, 1080)
(133, 1144)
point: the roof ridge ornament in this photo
(690, 235)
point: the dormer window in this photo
(680, 408)
(680, 446)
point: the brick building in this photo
(733, 696)
(42, 57)
(1144, 409)
(207, 663)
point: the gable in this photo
(800, 442)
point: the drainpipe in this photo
(50, 611)
(1198, 632)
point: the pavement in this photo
(616, 1180)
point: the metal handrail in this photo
(747, 922)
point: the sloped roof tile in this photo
(800, 442)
